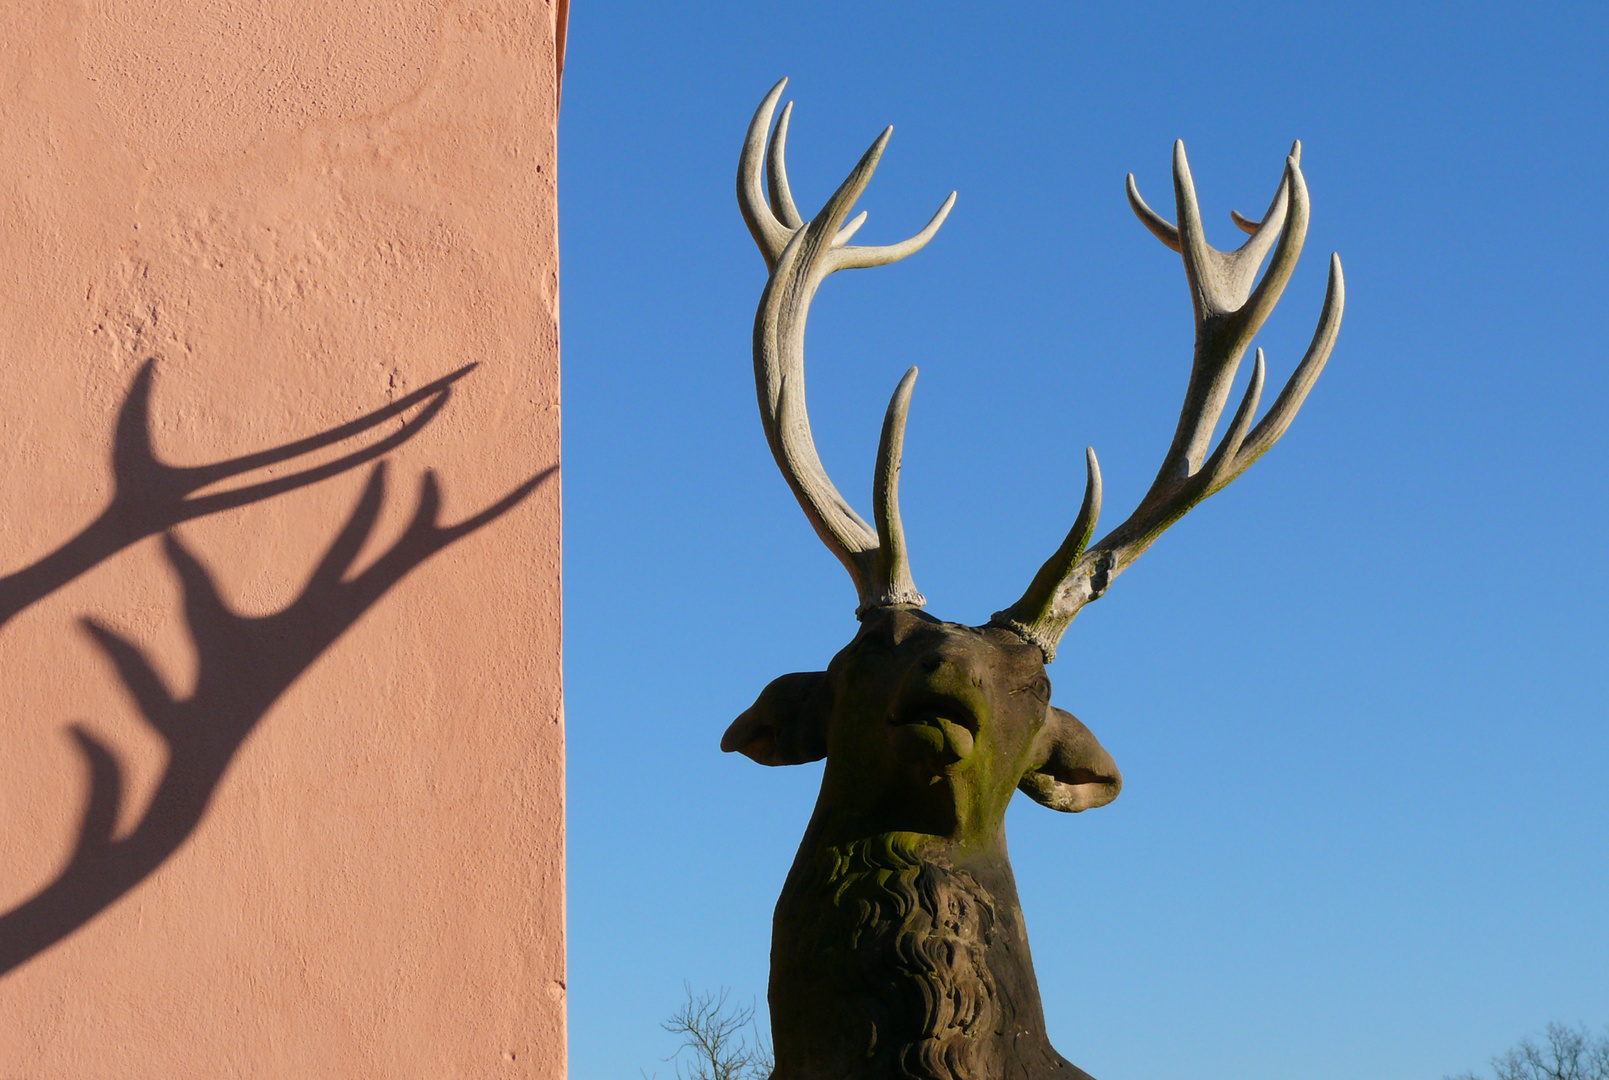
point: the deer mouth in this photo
(942, 730)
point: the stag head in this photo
(928, 727)
(898, 945)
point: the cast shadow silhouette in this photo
(246, 664)
(150, 496)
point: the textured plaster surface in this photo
(303, 212)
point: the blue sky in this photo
(1359, 698)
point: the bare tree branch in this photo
(1570, 1054)
(714, 1040)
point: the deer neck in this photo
(904, 946)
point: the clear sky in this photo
(1359, 698)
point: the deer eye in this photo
(1039, 687)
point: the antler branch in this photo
(800, 255)
(1228, 312)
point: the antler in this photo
(799, 256)
(1228, 313)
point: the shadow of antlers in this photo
(246, 664)
(150, 496)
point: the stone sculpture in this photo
(898, 946)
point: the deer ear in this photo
(1075, 772)
(787, 725)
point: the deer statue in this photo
(898, 947)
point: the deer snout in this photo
(938, 710)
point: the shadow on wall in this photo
(246, 662)
(149, 497)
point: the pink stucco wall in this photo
(281, 783)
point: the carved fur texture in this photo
(905, 940)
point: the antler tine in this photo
(836, 210)
(1199, 264)
(850, 229)
(875, 557)
(1283, 411)
(1034, 618)
(776, 172)
(1160, 227)
(769, 233)
(894, 570)
(861, 257)
(1224, 457)
(1263, 233)
(1229, 312)
(1256, 308)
